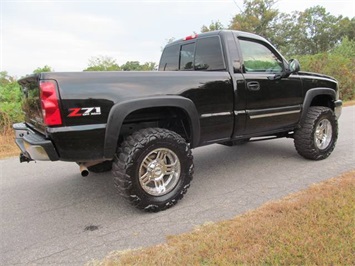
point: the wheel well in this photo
(323, 100)
(172, 118)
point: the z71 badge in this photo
(84, 111)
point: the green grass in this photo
(312, 227)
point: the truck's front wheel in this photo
(153, 169)
(318, 134)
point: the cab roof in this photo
(217, 32)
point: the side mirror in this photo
(294, 66)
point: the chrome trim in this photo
(34, 146)
(216, 114)
(159, 172)
(36, 152)
(323, 134)
(274, 114)
(75, 128)
(243, 112)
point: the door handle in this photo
(253, 86)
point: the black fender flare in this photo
(121, 110)
(311, 94)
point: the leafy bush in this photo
(339, 63)
(10, 102)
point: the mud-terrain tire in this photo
(316, 138)
(153, 169)
(101, 167)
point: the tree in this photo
(347, 28)
(131, 66)
(105, 63)
(345, 49)
(136, 66)
(46, 68)
(316, 31)
(149, 66)
(213, 26)
(312, 31)
(5, 78)
(102, 63)
(258, 17)
(309, 32)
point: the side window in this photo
(170, 59)
(204, 54)
(259, 58)
(187, 56)
(209, 54)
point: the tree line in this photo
(322, 42)
(106, 63)
(307, 32)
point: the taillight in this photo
(50, 104)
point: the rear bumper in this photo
(33, 145)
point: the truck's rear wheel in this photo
(318, 134)
(153, 169)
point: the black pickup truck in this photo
(226, 87)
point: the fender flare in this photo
(311, 94)
(121, 110)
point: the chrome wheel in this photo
(316, 137)
(323, 134)
(153, 169)
(159, 172)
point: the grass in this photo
(349, 103)
(311, 227)
(8, 148)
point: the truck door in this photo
(271, 105)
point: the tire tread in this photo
(303, 137)
(125, 157)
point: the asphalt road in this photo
(52, 215)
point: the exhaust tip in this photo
(83, 170)
(85, 173)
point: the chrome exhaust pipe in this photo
(84, 166)
(84, 170)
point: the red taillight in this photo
(193, 36)
(50, 104)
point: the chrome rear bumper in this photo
(33, 145)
